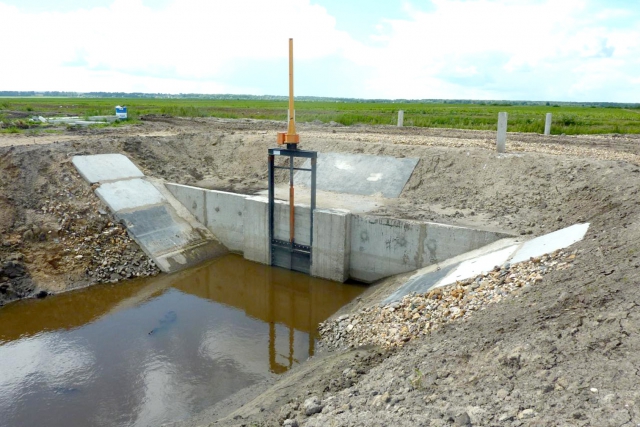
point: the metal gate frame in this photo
(289, 254)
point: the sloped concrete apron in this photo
(166, 231)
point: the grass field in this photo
(569, 120)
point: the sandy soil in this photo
(563, 353)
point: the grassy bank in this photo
(570, 120)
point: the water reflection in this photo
(153, 351)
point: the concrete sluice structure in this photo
(179, 226)
(345, 245)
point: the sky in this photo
(543, 50)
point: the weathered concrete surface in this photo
(192, 198)
(168, 239)
(359, 174)
(475, 266)
(164, 229)
(381, 247)
(331, 253)
(550, 242)
(256, 230)
(220, 212)
(224, 217)
(129, 194)
(106, 167)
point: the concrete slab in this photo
(129, 194)
(156, 229)
(475, 266)
(421, 283)
(106, 167)
(551, 242)
(359, 174)
(219, 211)
(167, 238)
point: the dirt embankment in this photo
(560, 352)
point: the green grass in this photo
(568, 120)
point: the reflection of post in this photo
(312, 345)
(292, 308)
(274, 366)
(312, 327)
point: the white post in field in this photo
(547, 124)
(501, 141)
(400, 118)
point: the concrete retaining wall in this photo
(381, 247)
(345, 245)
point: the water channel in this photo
(157, 350)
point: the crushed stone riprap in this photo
(397, 323)
(105, 250)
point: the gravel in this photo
(417, 315)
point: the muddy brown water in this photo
(157, 350)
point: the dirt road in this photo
(564, 352)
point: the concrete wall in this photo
(221, 212)
(364, 248)
(193, 199)
(381, 247)
(256, 230)
(331, 252)
(224, 217)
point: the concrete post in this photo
(547, 124)
(501, 141)
(256, 230)
(400, 118)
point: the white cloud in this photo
(490, 49)
(515, 48)
(185, 45)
